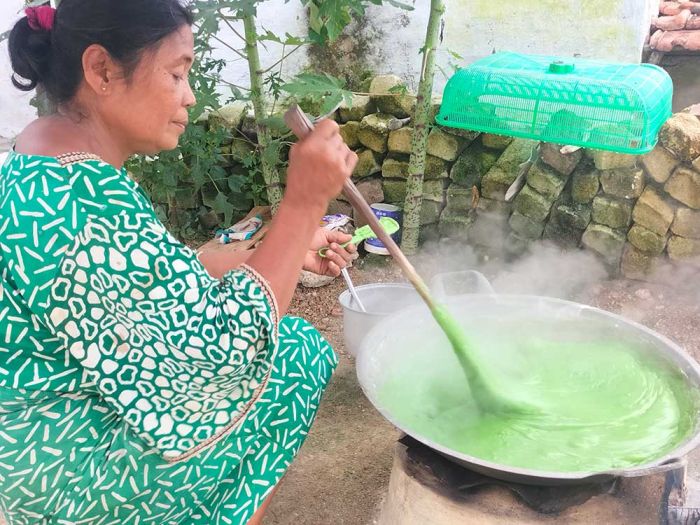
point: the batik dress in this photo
(134, 387)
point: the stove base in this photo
(421, 493)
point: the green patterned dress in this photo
(134, 387)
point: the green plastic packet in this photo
(390, 226)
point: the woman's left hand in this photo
(336, 257)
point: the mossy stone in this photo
(533, 204)
(374, 131)
(616, 213)
(605, 241)
(349, 133)
(646, 240)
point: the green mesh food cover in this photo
(617, 107)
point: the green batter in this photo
(603, 401)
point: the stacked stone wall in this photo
(637, 213)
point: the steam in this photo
(668, 301)
(549, 270)
(546, 269)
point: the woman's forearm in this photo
(319, 165)
(279, 259)
(218, 262)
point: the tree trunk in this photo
(269, 169)
(416, 166)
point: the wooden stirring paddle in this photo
(484, 394)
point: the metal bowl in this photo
(382, 348)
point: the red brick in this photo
(673, 23)
(693, 22)
(693, 110)
(670, 8)
(668, 41)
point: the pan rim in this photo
(531, 475)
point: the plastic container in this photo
(601, 105)
(380, 300)
(374, 245)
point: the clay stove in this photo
(425, 488)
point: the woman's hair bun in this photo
(48, 50)
(30, 55)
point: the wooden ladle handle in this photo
(301, 126)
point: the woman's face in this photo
(148, 111)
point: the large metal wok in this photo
(387, 342)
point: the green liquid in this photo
(604, 401)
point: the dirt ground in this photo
(343, 469)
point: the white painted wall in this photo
(605, 29)
(15, 111)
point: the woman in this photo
(139, 383)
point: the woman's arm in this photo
(317, 170)
(218, 262)
(318, 166)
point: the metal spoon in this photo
(351, 287)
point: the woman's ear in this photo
(99, 69)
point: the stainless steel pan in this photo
(383, 346)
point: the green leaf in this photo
(335, 17)
(315, 22)
(399, 89)
(240, 201)
(236, 183)
(217, 173)
(274, 82)
(199, 178)
(160, 213)
(328, 18)
(324, 88)
(288, 40)
(249, 160)
(400, 5)
(271, 154)
(275, 123)
(221, 205)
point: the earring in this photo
(104, 88)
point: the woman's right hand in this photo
(319, 164)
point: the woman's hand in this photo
(336, 257)
(318, 166)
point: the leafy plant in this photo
(328, 18)
(203, 164)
